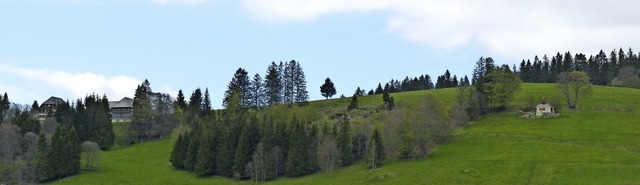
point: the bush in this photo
(91, 155)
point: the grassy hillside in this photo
(598, 144)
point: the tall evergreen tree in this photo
(4, 106)
(178, 153)
(344, 141)
(295, 84)
(142, 119)
(106, 137)
(64, 157)
(205, 163)
(256, 93)
(273, 85)
(379, 89)
(239, 84)
(299, 151)
(206, 104)
(44, 170)
(247, 142)
(181, 103)
(195, 104)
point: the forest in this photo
(265, 130)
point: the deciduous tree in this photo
(574, 86)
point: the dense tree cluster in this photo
(153, 114)
(602, 68)
(284, 83)
(494, 87)
(90, 117)
(265, 144)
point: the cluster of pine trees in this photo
(602, 69)
(447, 81)
(284, 83)
(237, 143)
(408, 84)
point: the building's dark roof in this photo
(53, 101)
(126, 102)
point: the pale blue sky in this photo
(69, 48)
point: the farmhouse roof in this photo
(53, 101)
(125, 102)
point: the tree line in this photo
(617, 69)
(422, 82)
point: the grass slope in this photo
(598, 144)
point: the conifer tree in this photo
(239, 84)
(193, 145)
(354, 102)
(344, 141)
(178, 153)
(273, 85)
(299, 153)
(376, 150)
(256, 92)
(379, 89)
(206, 104)
(44, 171)
(247, 142)
(181, 103)
(205, 159)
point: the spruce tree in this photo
(344, 143)
(205, 159)
(297, 153)
(181, 103)
(206, 104)
(44, 170)
(178, 153)
(246, 146)
(256, 92)
(379, 89)
(239, 84)
(273, 85)
(193, 145)
(106, 137)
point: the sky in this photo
(71, 48)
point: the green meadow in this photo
(596, 144)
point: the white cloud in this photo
(513, 29)
(40, 82)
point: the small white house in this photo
(544, 107)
